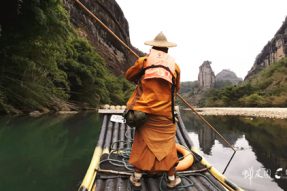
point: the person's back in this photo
(153, 95)
(157, 77)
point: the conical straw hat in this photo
(160, 41)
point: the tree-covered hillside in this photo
(45, 64)
(265, 89)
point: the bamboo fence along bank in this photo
(109, 169)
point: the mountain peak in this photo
(227, 75)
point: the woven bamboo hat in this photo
(160, 41)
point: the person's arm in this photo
(177, 81)
(132, 73)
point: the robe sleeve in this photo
(133, 73)
(177, 69)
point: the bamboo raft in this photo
(109, 170)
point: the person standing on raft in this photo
(158, 79)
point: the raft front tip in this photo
(82, 188)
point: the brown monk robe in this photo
(154, 146)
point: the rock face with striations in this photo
(117, 57)
(273, 51)
(206, 77)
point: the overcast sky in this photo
(229, 33)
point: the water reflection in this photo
(261, 145)
(46, 153)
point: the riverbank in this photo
(278, 113)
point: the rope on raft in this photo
(125, 154)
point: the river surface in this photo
(49, 153)
(53, 152)
(260, 161)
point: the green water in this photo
(47, 153)
(52, 153)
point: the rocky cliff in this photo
(273, 51)
(206, 77)
(226, 77)
(47, 64)
(117, 57)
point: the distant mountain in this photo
(188, 87)
(226, 77)
(266, 88)
(191, 91)
(196, 91)
(265, 84)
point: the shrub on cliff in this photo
(254, 100)
(45, 64)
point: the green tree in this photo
(45, 64)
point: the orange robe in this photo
(152, 95)
(154, 142)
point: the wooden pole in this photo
(136, 55)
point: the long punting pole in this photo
(137, 56)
